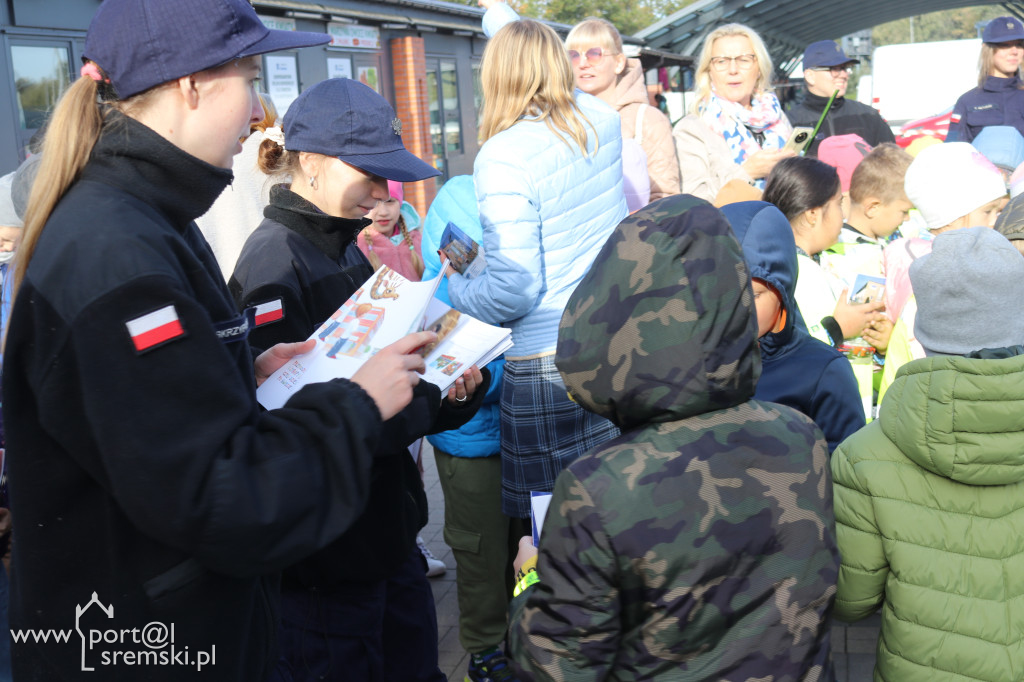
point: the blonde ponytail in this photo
(417, 260)
(371, 255)
(72, 133)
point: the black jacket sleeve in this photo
(175, 434)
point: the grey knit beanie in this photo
(970, 293)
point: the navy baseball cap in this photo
(142, 43)
(825, 53)
(343, 118)
(1003, 30)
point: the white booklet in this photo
(383, 310)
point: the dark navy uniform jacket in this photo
(845, 117)
(308, 262)
(1000, 102)
(146, 471)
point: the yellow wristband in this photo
(528, 565)
(531, 578)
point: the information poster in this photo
(368, 76)
(282, 81)
(339, 68)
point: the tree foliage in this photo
(953, 24)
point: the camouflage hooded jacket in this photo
(700, 544)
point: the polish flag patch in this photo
(155, 328)
(268, 312)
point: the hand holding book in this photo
(379, 314)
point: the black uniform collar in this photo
(329, 234)
(136, 159)
(817, 103)
(998, 84)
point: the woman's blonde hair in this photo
(764, 62)
(526, 72)
(986, 61)
(269, 114)
(594, 31)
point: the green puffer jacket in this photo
(698, 545)
(929, 504)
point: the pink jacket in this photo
(398, 257)
(896, 259)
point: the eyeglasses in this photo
(744, 62)
(836, 71)
(592, 56)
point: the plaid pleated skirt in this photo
(542, 431)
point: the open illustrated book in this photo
(383, 310)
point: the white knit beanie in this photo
(947, 181)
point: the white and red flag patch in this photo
(155, 328)
(268, 312)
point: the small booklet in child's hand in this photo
(383, 310)
(464, 254)
(539, 503)
(867, 289)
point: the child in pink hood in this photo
(393, 238)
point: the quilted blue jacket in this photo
(546, 210)
(456, 202)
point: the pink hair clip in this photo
(91, 70)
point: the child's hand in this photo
(449, 271)
(877, 333)
(854, 317)
(526, 552)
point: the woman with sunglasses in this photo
(601, 68)
(737, 129)
(999, 98)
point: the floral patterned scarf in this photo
(737, 124)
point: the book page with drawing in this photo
(383, 310)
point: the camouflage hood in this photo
(662, 326)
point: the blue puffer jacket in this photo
(797, 370)
(456, 203)
(546, 211)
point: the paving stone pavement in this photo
(853, 646)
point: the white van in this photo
(916, 80)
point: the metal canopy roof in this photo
(788, 26)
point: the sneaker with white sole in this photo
(435, 566)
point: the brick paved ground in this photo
(853, 646)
